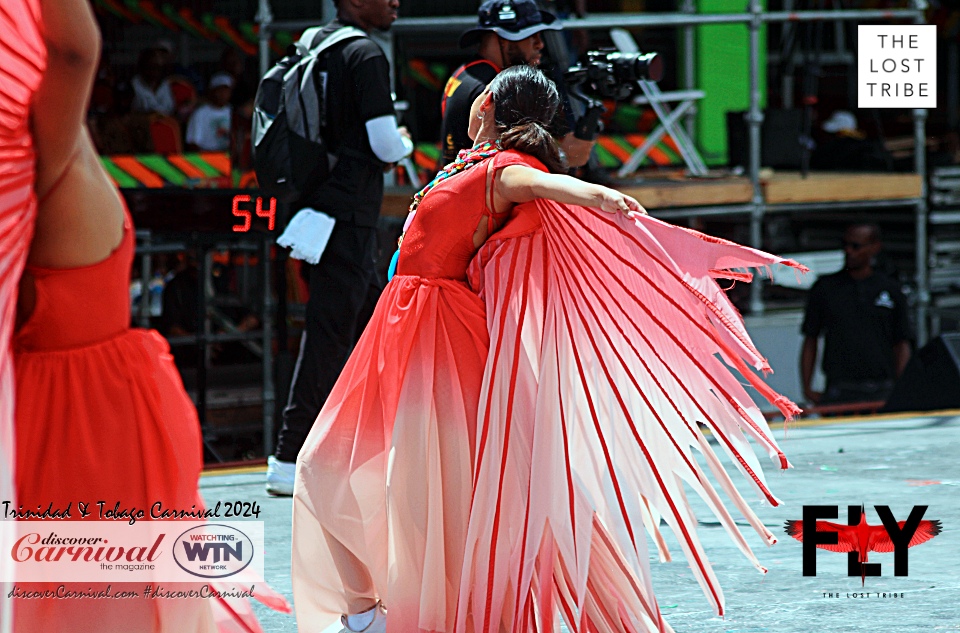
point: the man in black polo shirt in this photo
(508, 34)
(361, 130)
(863, 317)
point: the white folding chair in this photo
(669, 118)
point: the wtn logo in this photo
(221, 551)
(213, 551)
(857, 538)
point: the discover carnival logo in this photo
(213, 551)
(145, 551)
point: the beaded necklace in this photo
(466, 158)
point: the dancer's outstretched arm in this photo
(517, 183)
(80, 216)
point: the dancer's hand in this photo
(612, 201)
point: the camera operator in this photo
(343, 285)
(508, 33)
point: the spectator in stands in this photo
(847, 148)
(184, 81)
(209, 127)
(179, 313)
(151, 89)
(234, 63)
(862, 315)
(168, 54)
(245, 79)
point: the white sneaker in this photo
(379, 624)
(280, 477)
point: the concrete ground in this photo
(895, 461)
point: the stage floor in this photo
(897, 461)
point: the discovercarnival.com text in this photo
(63, 592)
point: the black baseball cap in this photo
(512, 20)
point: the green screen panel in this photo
(723, 73)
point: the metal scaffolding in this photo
(755, 18)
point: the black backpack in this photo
(290, 156)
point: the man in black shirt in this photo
(863, 317)
(508, 34)
(361, 131)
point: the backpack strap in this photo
(308, 46)
(306, 41)
(305, 98)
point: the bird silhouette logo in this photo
(864, 538)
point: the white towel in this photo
(307, 234)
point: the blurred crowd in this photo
(163, 107)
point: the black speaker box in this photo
(931, 380)
(779, 139)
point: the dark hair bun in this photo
(532, 137)
(525, 103)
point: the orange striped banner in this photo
(218, 160)
(133, 167)
(185, 166)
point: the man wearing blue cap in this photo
(508, 32)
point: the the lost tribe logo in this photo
(897, 65)
(858, 538)
(213, 551)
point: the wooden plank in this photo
(789, 187)
(691, 192)
(779, 188)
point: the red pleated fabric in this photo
(22, 60)
(609, 342)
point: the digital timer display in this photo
(270, 213)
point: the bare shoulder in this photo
(80, 221)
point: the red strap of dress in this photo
(488, 184)
(63, 174)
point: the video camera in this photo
(607, 74)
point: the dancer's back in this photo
(454, 220)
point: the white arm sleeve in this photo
(385, 139)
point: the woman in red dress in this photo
(101, 413)
(385, 478)
(490, 464)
